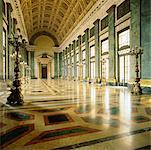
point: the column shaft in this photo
(66, 52)
(74, 57)
(80, 57)
(97, 50)
(112, 54)
(70, 57)
(146, 38)
(135, 33)
(32, 64)
(63, 67)
(1, 41)
(60, 64)
(10, 72)
(87, 54)
(55, 66)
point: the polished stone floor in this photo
(62, 115)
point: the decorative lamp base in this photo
(15, 98)
(136, 89)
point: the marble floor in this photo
(62, 115)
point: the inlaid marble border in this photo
(40, 139)
(10, 140)
(101, 140)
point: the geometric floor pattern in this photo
(102, 121)
(50, 110)
(19, 116)
(14, 134)
(61, 133)
(64, 115)
(57, 118)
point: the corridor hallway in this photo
(61, 114)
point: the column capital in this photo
(79, 39)
(96, 21)
(111, 8)
(70, 46)
(86, 30)
(79, 36)
(10, 6)
(15, 20)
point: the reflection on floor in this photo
(66, 115)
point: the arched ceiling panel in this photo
(58, 17)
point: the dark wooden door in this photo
(44, 71)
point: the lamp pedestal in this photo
(16, 97)
(136, 88)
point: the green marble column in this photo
(146, 45)
(55, 66)
(135, 23)
(29, 59)
(146, 38)
(32, 64)
(1, 41)
(112, 53)
(87, 54)
(63, 64)
(79, 47)
(134, 34)
(70, 57)
(80, 57)
(74, 57)
(97, 50)
(7, 56)
(10, 49)
(60, 64)
(66, 52)
(64, 58)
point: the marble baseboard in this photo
(146, 89)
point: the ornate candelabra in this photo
(16, 97)
(136, 88)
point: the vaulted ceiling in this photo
(57, 17)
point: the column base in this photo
(98, 80)
(136, 89)
(112, 82)
(104, 82)
(88, 80)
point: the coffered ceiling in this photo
(57, 17)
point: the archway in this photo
(43, 57)
(41, 33)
